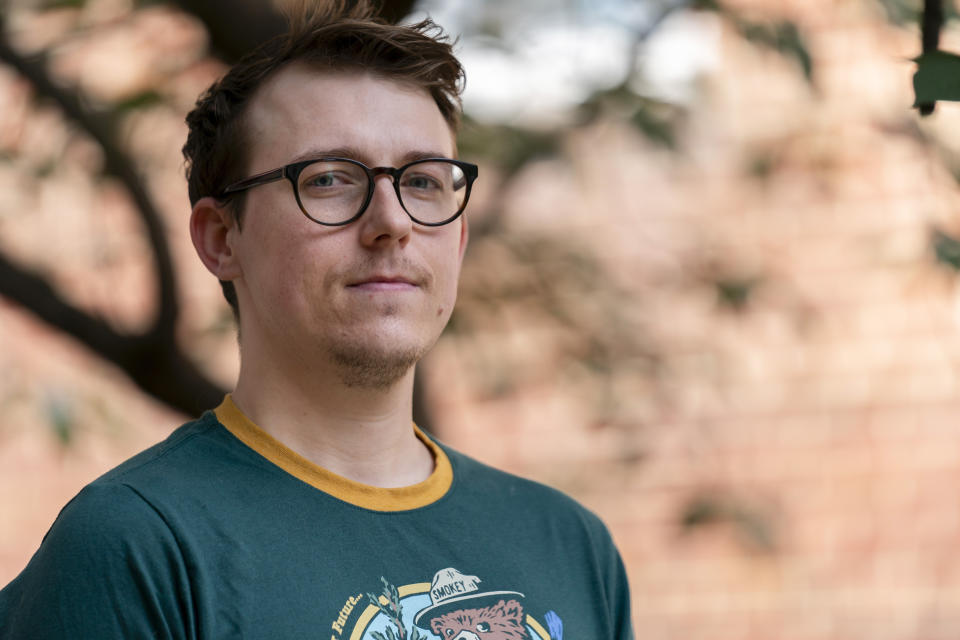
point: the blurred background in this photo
(711, 292)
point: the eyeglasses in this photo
(336, 191)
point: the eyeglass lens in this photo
(334, 191)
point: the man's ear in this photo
(213, 229)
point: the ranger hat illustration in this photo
(451, 591)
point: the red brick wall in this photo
(821, 421)
(818, 423)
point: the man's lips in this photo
(384, 283)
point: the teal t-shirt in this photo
(222, 532)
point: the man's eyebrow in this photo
(355, 154)
(336, 152)
(413, 156)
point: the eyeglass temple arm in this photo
(252, 181)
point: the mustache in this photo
(395, 267)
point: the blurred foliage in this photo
(937, 71)
(783, 37)
(60, 416)
(62, 4)
(735, 293)
(937, 77)
(141, 100)
(549, 283)
(752, 524)
(658, 120)
(762, 164)
(946, 249)
(905, 13)
(901, 12)
(510, 147)
(558, 286)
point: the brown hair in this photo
(337, 35)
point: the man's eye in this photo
(483, 627)
(421, 182)
(323, 180)
(449, 632)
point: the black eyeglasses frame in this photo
(293, 170)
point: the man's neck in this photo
(365, 435)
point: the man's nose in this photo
(385, 220)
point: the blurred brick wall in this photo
(811, 439)
(808, 440)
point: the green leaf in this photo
(139, 101)
(784, 37)
(60, 413)
(753, 526)
(901, 12)
(64, 4)
(756, 530)
(701, 511)
(761, 165)
(910, 12)
(735, 293)
(705, 5)
(654, 118)
(45, 169)
(937, 77)
(946, 248)
(511, 147)
(656, 129)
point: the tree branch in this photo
(930, 39)
(119, 165)
(156, 365)
(153, 360)
(35, 294)
(236, 27)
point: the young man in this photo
(328, 201)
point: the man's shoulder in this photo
(168, 479)
(509, 491)
(180, 448)
(118, 500)
(107, 550)
(118, 528)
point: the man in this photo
(328, 201)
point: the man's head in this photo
(337, 35)
(367, 298)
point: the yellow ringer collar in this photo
(356, 493)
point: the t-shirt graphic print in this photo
(452, 606)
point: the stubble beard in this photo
(367, 364)
(366, 368)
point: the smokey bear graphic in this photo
(502, 621)
(459, 610)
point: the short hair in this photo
(338, 35)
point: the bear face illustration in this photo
(502, 621)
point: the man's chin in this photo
(366, 366)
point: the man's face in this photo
(366, 299)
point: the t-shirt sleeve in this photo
(110, 567)
(616, 590)
(620, 598)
